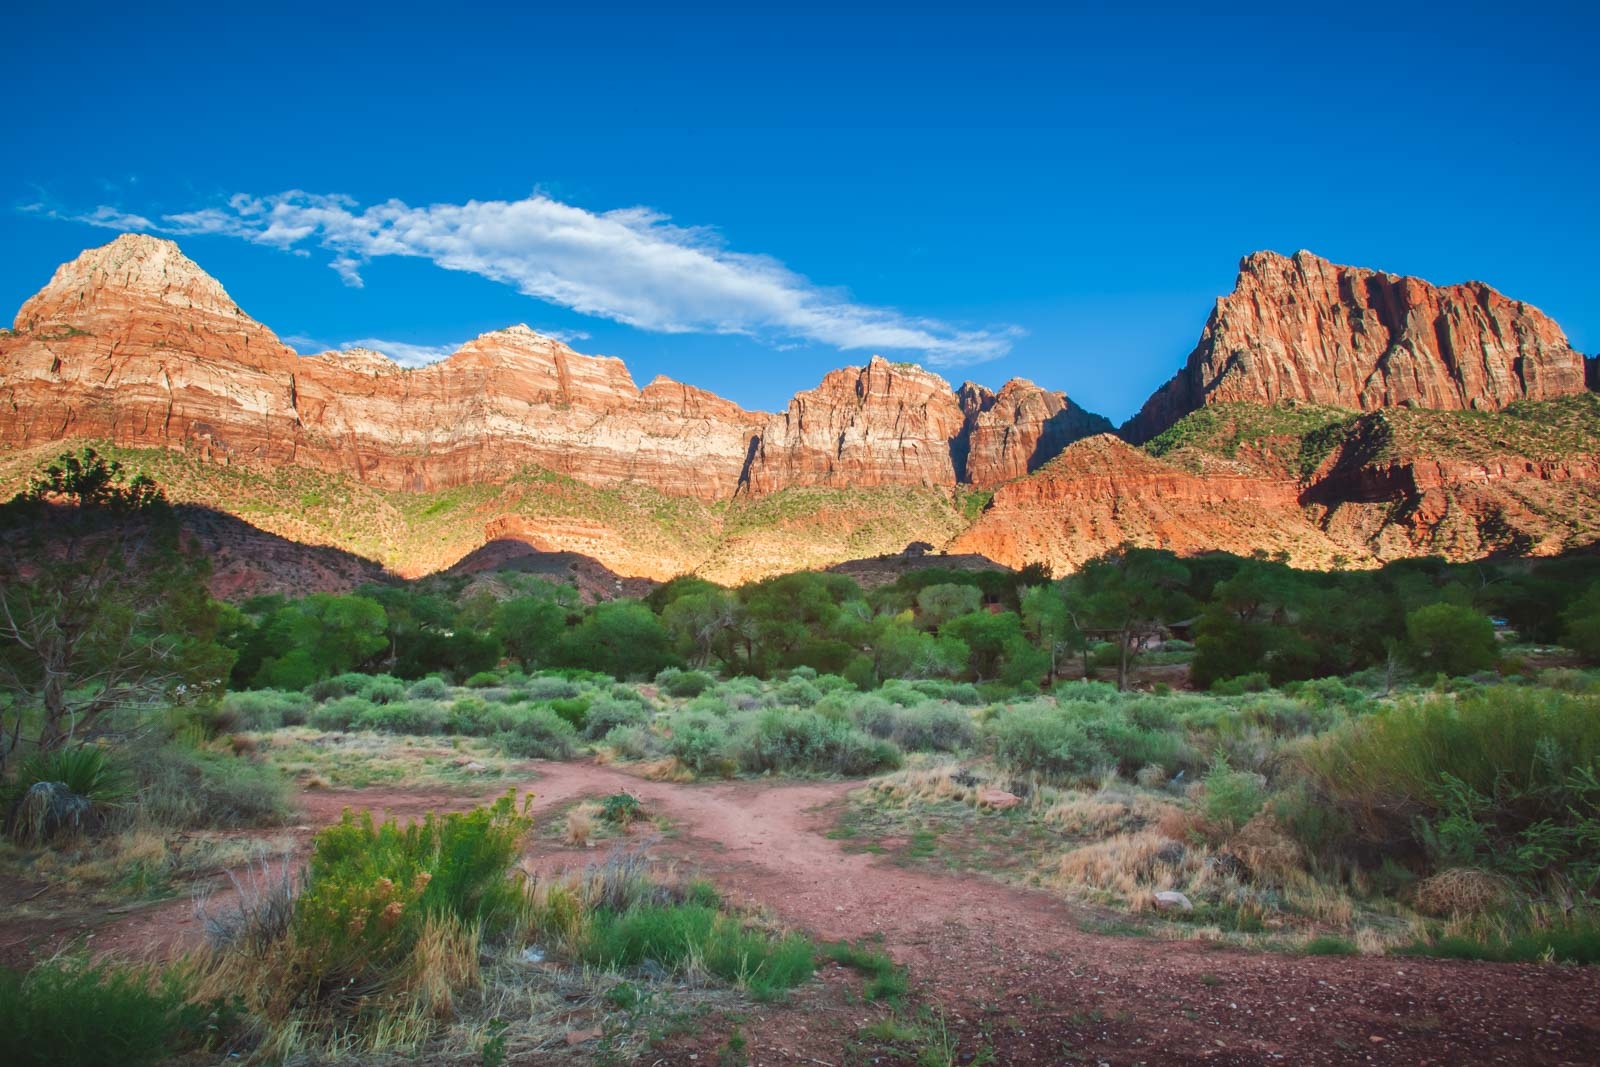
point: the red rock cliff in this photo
(1302, 328)
(133, 343)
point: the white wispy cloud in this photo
(631, 265)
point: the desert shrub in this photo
(574, 710)
(340, 685)
(698, 739)
(931, 727)
(1569, 681)
(632, 742)
(683, 684)
(382, 689)
(538, 733)
(406, 717)
(1127, 744)
(371, 887)
(901, 693)
(264, 709)
(546, 687)
(1231, 797)
(1257, 682)
(1325, 692)
(796, 693)
(187, 788)
(65, 1013)
(428, 689)
(340, 713)
(1291, 718)
(1309, 816)
(940, 689)
(792, 740)
(1506, 778)
(1040, 739)
(607, 713)
(473, 717)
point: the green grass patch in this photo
(886, 980)
(680, 937)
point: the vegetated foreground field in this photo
(998, 972)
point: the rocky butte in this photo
(1301, 328)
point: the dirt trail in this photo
(1016, 969)
(1013, 968)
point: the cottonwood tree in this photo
(101, 605)
(1126, 595)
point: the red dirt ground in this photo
(1011, 967)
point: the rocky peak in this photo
(1299, 327)
(134, 269)
(1018, 429)
(360, 360)
(523, 362)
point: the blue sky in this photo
(745, 198)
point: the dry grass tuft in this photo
(580, 823)
(666, 770)
(1272, 855)
(1462, 891)
(1132, 866)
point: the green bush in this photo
(683, 684)
(608, 713)
(384, 690)
(698, 739)
(473, 717)
(574, 710)
(406, 717)
(538, 733)
(370, 887)
(340, 714)
(551, 687)
(263, 709)
(66, 1013)
(187, 788)
(1040, 739)
(1257, 682)
(933, 726)
(791, 740)
(632, 742)
(483, 680)
(1232, 797)
(428, 689)
(340, 685)
(1506, 778)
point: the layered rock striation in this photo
(135, 344)
(1301, 328)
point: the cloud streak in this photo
(632, 266)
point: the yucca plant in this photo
(68, 790)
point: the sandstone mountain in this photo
(1336, 415)
(1301, 328)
